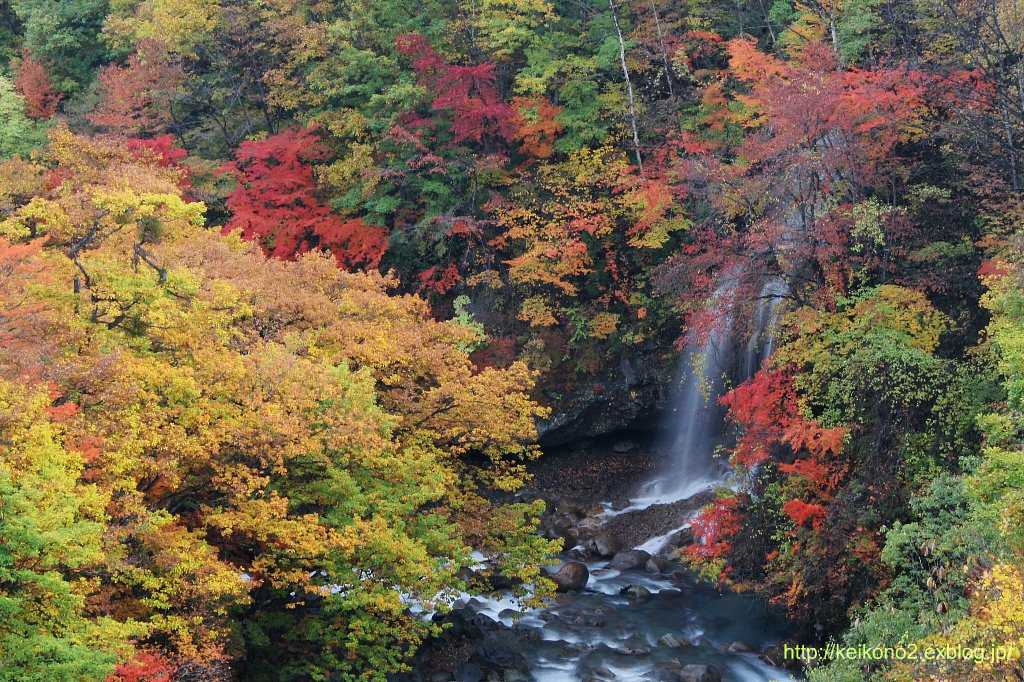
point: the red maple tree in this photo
(276, 203)
(33, 83)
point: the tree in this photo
(276, 203)
(33, 83)
(53, 526)
(19, 134)
(136, 98)
(288, 454)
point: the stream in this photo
(635, 617)
(601, 634)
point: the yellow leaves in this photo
(286, 420)
(907, 311)
(537, 313)
(182, 25)
(988, 643)
(603, 325)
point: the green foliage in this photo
(19, 134)
(52, 526)
(66, 35)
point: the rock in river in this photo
(606, 545)
(637, 592)
(629, 559)
(700, 673)
(572, 576)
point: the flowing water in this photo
(602, 634)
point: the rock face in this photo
(629, 559)
(628, 394)
(700, 673)
(624, 445)
(572, 576)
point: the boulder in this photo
(699, 673)
(775, 654)
(629, 559)
(636, 592)
(515, 676)
(739, 647)
(469, 672)
(572, 576)
(657, 564)
(621, 503)
(606, 545)
(672, 641)
(682, 538)
(500, 651)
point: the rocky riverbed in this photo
(626, 608)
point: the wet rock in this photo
(509, 614)
(682, 538)
(572, 576)
(590, 620)
(501, 582)
(514, 676)
(561, 521)
(629, 559)
(601, 673)
(672, 641)
(739, 647)
(639, 525)
(606, 545)
(593, 510)
(469, 672)
(633, 651)
(621, 503)
(569, 507)
(624, 445)
(657, 564)
(700, 673)
(775, 654)
(441, 677)
(499, 650)
(636, 592)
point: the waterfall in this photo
(697, 418)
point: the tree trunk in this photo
(629, 84)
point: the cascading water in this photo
(697, 417)
(698, 420)
(763, 337)
(635, 624)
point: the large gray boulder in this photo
(629, 559)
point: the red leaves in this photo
(276, 203)
(716, 525)
(33, 83)
(438, 279)
(537, 127)
(147, 666)
(468, 92)
(801, 512)
(135, 99)
(163, 152)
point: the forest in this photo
(298, 299)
